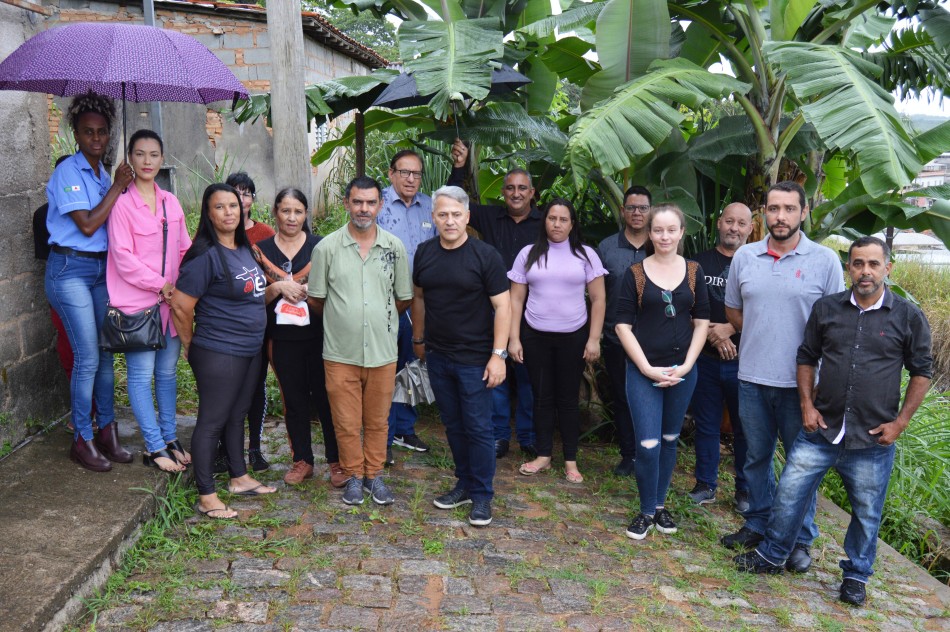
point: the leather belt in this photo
(69, 252)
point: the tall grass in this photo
(930, 286)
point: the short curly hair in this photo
(90, 102)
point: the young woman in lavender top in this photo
(556, 337)
(139, 274)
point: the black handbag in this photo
(141, 331)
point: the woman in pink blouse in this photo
(135, 282)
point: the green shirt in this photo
(360, 320)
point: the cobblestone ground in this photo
(554, 558)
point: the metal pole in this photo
(155, 107)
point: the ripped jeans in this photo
(657, 420)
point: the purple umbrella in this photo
(121, 61)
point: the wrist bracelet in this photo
(418, 341)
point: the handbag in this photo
(141, 331)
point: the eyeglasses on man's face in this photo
(636, 208)
(408, 174)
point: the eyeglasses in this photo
(667, 296)
(408, 174)
(247, 194)
(636, 208)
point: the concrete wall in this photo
(33, 387)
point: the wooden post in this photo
(288, 102)
(360, 144)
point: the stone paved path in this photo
(554, 558)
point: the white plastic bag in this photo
(292, 313)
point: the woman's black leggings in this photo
(225, 387)
(299, 368)
(555, 364)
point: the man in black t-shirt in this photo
(718, 364)
(460, 323)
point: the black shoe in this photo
(453, 499)
(480, 515)
(390, 461)
(640, 527)
(800, 559)
(501, 448)
(529, 451)
(702, 494)
(257, 461)
(744, 538)
(626, 467)
(411, 442)
(742, 500)
(752, 562)
(663, 522)
(853, 592)
(220, 464)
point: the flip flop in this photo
(207, 514)
(573, 477)
(527, 469)
(252, 491)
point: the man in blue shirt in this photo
(407, 214)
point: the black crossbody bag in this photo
(141, 331)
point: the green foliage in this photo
(380, 35)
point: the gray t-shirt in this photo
(776, 296)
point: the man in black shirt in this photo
(460, 322)
(718, 364)
(862, 338)
(508, 228)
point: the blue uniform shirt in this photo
(411, 224)
(75, 187)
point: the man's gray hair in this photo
(453, 193)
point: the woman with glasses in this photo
(663, 315)
(549, 281)
(296, 348)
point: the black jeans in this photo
(303, 385)
(555, 364)
(224, 395)
(615, 361)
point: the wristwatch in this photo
(501, 353)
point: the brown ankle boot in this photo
(87, 455)
(107, 440)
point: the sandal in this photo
(209, 515)
(252, 491)
(527, 469)
(573, 476)
(149, 460)
(176, 448)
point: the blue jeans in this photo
(402, 417)
(517, 376)
(657, 420)
(76, 288)
(464, 404)
(865, 473)
(770, 412)
(717, 382)
(142, 366)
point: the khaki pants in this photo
(359, 400)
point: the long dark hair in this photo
(206, 238)
(540, 247)
(298, 195)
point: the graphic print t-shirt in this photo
(229, 316)
(715, 265)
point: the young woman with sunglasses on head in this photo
(663, 315)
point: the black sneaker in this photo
(663, 521)
(376, 488)
(353, 492)
(744, 538)
(390, 461)
(257, 461)
(480, 515)
(411, 442)
(453, 499)
(640, 526)
(799, 560)
(626, 467)
(220, 464)
(703, 494)
(853, 592)
(752, 562)
(742, 500)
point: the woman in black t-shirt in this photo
(663, 315)
(297, 349)
(218, 308)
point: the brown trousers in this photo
(360, 398)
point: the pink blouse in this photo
(134, 266)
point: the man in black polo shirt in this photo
(862, 338)
(508, 228)
(618, 252)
